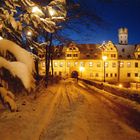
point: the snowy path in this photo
(82, 114)
(68, 111)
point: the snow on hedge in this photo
(20, 54)
(20, 70)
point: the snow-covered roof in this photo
(126, 51)
(93, 51)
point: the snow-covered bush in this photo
(23, 68)
(16, 70)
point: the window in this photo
(128, 64)
(60, 73)
(121, 64)
(106, 64)
(75, 55)
(96, 75)
(136, 64)
(98, 64)
(75, 63)
(68, 64)
(82, 64)
(91, 75)
(136, 74)
(113, 65)
(61, 64)
(113, 55)
(128, 74)
(111, 74)
(55, 64)
(106, 74)
(115, 74)
(90, 64)
(139, 56)
(55, 73)
(68, 55)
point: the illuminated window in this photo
(90, 64)
(136, 64)
(128, 64)
(98, 64)
(61, 64)
(91, 75)
(121, 64)
(68, 64)
(60, 73)
(113, 65)
(75, 63)
(43, 64)
(106, 64)
(55, 64)
(128, 74)
(136, 74)
(82, 64)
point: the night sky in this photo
(121, 13)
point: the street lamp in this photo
(29, 33)
(81, 70)
(104, 59)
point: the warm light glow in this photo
(81, 69)
(1, 38)
(104, 57)
(37, 11)
(52, 12)
(29, 33)
(120, 85)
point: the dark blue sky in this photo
(121, 13)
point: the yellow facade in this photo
(113, 69)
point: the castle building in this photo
(122, 62)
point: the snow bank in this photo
(21, 54)
(20, 70)
(123, 92)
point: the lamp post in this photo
(104, 59)
(81, 70)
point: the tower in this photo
(123, 36)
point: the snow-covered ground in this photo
(71, 111)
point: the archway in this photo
(74, 74)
